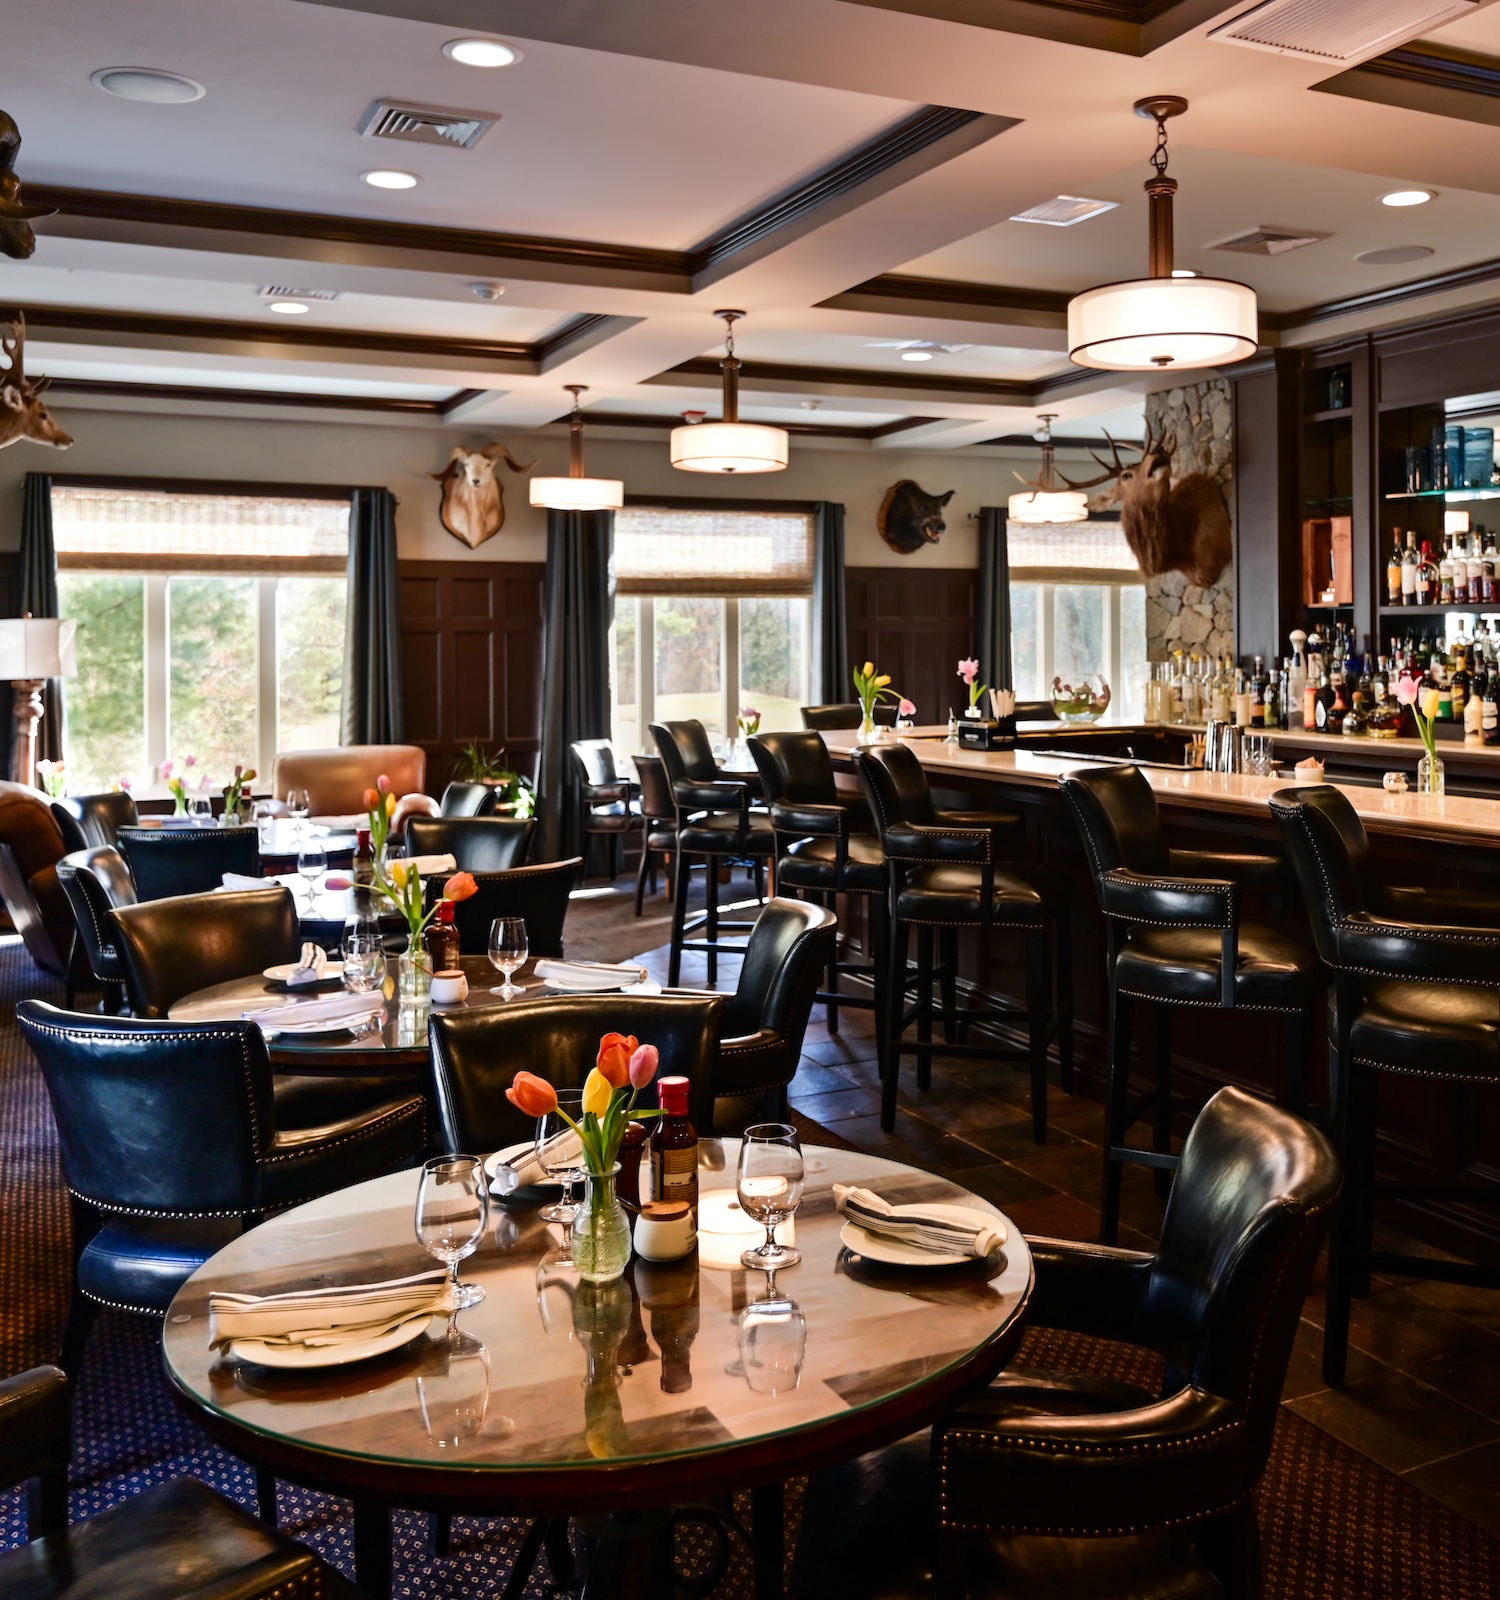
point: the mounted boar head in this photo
(22, 414)
(1170, 527)
(472, 504)
(16, 237)
(911, 518)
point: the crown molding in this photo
(811, 430)
(83, 388)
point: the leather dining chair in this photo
(477, 1052)
(171, 1146)
(658, 822)
(468, 800)
(172, 861)
(1176, 936)
(845, 716)
(91, 821)
(1065, 1483)
(538, 894)
(97, 882)
(179, 1540)
(943, 875)
(609, 809)
(477, 844)
(1416, 996)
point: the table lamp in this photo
(33, 649)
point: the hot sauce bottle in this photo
(674, 1147)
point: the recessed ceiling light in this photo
(1394, 256)
(1407, 197)
(487, 291)
(149, 84)
(384, 178)
(287, 308)
(916, 355)
(1183, 272)
(481, 52)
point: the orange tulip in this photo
(460, 886)
(615, 1051)
(531, 1094)
(371, 799)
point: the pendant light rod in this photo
(575, 431)
(1159, 187)
(578, 491)
(730, 367)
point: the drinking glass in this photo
(201, 810)
(773, 1341)
(299, 806)
(553, 1135)
(364, 958)
(262, 813)
(454, 1392)
(312, 863)
(770, 1189)
(453, 1210)
(508, 952)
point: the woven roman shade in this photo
(1075, 552)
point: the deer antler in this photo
(1108, 473)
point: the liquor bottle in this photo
(1474, 718)
(1491, 720)
(1427, 577)
(1460, 559)
(441, 939)
(1393, 573)
(1410, 567)
(1364, 687)
(1259, 679)
(1459, 682)
(1445, 573)
(1192, 692)
(1323, 701)
(1310, 691)
(1296, 686)
(362, 875)
(674, 1147)
(1487, 578)
(1241, 701)
(1476, 569)
(1284, 695)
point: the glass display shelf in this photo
(1492, 493)
(1462, 609)
(1335, 500)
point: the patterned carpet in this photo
(1335, 1526)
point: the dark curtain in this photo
(992, 621)
(373, 710)
(831, 683)
(579, 607)
(36, 591)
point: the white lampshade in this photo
(1162, 324)
(578, 494)
(37, 647)
(729, 447)
(1057, 505)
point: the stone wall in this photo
(1180, 615)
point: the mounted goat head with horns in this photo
(22, 414)
(1170, 527)
(473, 505)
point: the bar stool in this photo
(1175, 937)
(714, 820)
(1416, 993)
(825, 848)
(608, 809)
(658, 822)
(942, 876)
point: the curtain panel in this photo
(578, 607)
(992, 614)
(830, 617)
(373, 710)
(36, 591)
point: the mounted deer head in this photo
(472, 505)
(1181, 527)
(22, 414)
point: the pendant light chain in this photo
(1159, 155)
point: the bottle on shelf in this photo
(1393, 573)
(1323, 701)
(1459, 684)
(1427, 577)
(1410, 568)
(1444, 595)
(1487, 580)
(1241, 701)
(1490, 722)
(1476, 569)
(1284, 694)
(1310, 691)
(1259, 681)
(1296, 683)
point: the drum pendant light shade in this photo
(576, 492)
(1161, 324)
(1062, 505)
(730, 445)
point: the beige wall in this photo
(399, 457)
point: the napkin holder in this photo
(987, 733)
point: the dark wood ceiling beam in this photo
(895, 293)
(1441, 81)
(778, 376)
(85, 388)
(811, 430)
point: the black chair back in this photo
(96, 882)
(539, 894)
(784, 957)
(90, 821)
(656, 790)
(469, 800)
(156, 1117)
(596, 761)
(828, 719)
(173, 861)
(477, 844)
(896, 787)
(1330, 853)
(686, 750)
(174, 947)
(476, 1054)
(1116, 812)
(795, 768)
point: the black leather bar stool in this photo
(942, 875)
(1176, 937)
(714, 820)
(825, 847)
(609, 809)
(96, 882)
(1416, 994)
(658, 822)
(845, 715)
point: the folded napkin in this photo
(312, 967)
(318, 1317)
(588, 974)
(337, 1010)
(241, 880)
(941, 1235)
(528, 1168)
(431, 866)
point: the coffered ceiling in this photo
(842, 171)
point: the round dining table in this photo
(612, 1403)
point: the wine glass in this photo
(299, 806)
(454, 1392)
(364, 958)
(312, 863)
(508, 951)
(773, 1341)
(453, 1211)
(769, 1183)
(201, 810)
(560, 1155)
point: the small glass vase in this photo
(1430, 776)
(601, 1230)
(414, 975)
(867, 726)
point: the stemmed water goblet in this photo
(769, 1184)
(773, 1341)
(299, 807)
(312, 863)
(453, 1211)
(560, 1155)
(508, 952)
(364, 958)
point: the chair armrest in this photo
(711, 796)
(1452, 908)
(826, 822)
(1089, 1288)
(1420, 951)
(302, 1163)
(920, 841)
(1038, 1472)
(607, 793)
(36, 1425)
(1168, 902)
(753, 1062)
(1257, 874)
(1002, 824)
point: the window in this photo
(713, 614)
(1077, 606)
(211, 626)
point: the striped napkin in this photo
(588, 974)
(340, 1010)
(941, 1235)
(320, 1317)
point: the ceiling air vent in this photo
(1336, 30)
(387, 119)
(1265, 242)
(278, 291)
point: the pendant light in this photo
(730, 445)
(576, 492)
(1162, 323)
(1045, 502)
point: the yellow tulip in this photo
(869, 668)
(398, 871)
(390, 805)
(596, 1093)
(882, 680)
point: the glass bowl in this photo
(1085, 699)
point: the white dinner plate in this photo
(268, 1024)
(334, 969)
(510, 1154)
(877, 1247)
(331, 1355)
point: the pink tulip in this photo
(968, 669)
(192, 761)
(643, 1064)
(1406, 691)
(906, 709)
(383, 783)
(337, 883)
(166, 771)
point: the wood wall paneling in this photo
(916, 623)
(471, 637)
